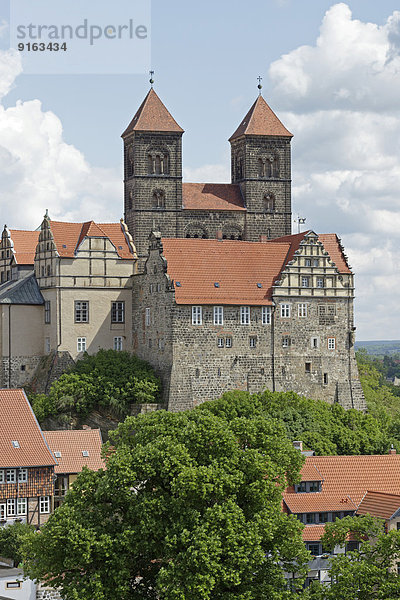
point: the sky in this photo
(331, 72)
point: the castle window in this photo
(47, 346)
(228, 342)
(325, 378)
(305, 282)
(219, 372)
(266, 315)
(158, 199)
(147, 317)
(220, 342)
(302, 310)
(261, 168)
(131, 157)
(285, 342)
(118, 343)
(47, 311)
(320, 282)
(314, 342)
(117, 312)
(307, 262)
(150, 165)
(197, 372)
(81, 344)
(239, 166)
(269, 203)
(197, 315)
(81, 311)
(331, 343)
(218, 315)
(285, 311)
(158, 165)
(130, 200)
(308, 367)
(8, 275)
(245, 315)
(315, 262)
(253, 341)
(48, 270)
(268, 234)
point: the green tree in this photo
(188, 508)
(12, 538)
(369, 573)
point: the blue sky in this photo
(331, 71)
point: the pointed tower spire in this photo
(152, 115)
(261, 120)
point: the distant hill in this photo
(380, 347)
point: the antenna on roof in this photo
(259, 85)
(151, 78)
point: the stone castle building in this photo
(205, 280)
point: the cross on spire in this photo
(259, 84)
(151, 78)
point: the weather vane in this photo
(151, 78)
(259, 84)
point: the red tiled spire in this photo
(152, 115)
(261, 120)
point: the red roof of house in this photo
(212, 196)
(313, 533)
(379, 504)
(18, 423)
(346, 479)
(24, 243)
(261, 120)
(237, 267)
(152, 115)
(71, 444)
(69, 236)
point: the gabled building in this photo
(215, 315)
(73, 449)
(26, 463)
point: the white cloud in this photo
(341, 101)
(39, 170)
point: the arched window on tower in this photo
(268, 234)
(159, 199)
(150, 165)
(261, 168)
(269, 203)
(195, 231)
(275, 167)
(130, 200)
(158, 165)
(131, 165)
(239, 166)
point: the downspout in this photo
(273, 346)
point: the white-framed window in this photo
(253, 341)
(81, 311)
(22, 505)
(11, 476)
(47, 345)
(228, 342)
(47, 311)
(23, 475)
(302, 310)
(245, 315)
(11, 507)
(118, 343)
(197, 316)
(331, 343)
(314, 342)
(44, 505)
(2, 477)
(316, 262)
(220, 342)
(320, 282)
(266, 315)
(218, 315)
(285, 342)
(285, 311)
(81, 344)
(307, 262)
(305, 282)
(117, 312)
(147, 317)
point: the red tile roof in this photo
(346, 477)
(313, 533)
(152, 115)
(236, 266)
(212, 196)
(71, 444)
(19, 424)
(261, 120)
(24, 243)
(379, 504)
(68, 237)
(332, 245)
(310, 473)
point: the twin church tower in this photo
(255, 206)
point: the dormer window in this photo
(308, 487)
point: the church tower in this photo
(152, 173)
(260, 164)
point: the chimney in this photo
(219, 234)
(263, 238)
(299, 445)
(392, 450)
(86, 427)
